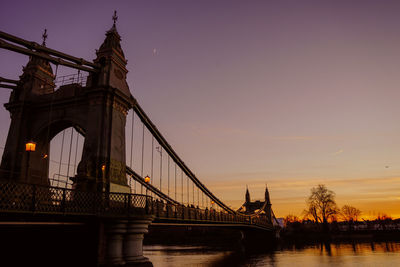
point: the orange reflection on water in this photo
(336, 254)
(318, 255)
(355, 248)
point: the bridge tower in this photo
(97, 111)
(251, 207)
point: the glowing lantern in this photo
(103, 167)
(30, 146)
(147, 179)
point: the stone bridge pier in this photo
(121, 243)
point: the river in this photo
(334, 254)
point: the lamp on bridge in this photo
(103, 175)
(30, 146)
(147, 181)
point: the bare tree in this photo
(311, 212)
(350, 213)
(321, 204)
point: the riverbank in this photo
(338, 236)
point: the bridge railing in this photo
(79, 78)
(28, 198)
(38, 199)
(190, 213)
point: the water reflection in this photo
(323, 254)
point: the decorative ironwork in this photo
(29, 198)
(115, 18)
(44, 36)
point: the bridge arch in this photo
(65, 154)
(40, 160)
(46, 155)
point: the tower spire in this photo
(111, 57)
(267, 194)
(114, 18)
(247, 195)
(38, 75)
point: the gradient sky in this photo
(289, 93)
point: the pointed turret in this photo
(38, 77)
(112, 41)
(247, 195)
(112, 61)
(267, 195)
(268, 209)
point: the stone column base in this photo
(133, 242)
(124, 243)
(115, 231)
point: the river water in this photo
(338, 254)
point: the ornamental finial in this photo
(44, 36)
(115, 17)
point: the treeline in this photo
(323, 215)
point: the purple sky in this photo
(289, 93)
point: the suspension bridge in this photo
(80, 146)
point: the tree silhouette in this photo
(321, 204)
(350, 213)
(290, 219)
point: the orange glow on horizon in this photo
(373, 196)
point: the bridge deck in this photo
(27, 199)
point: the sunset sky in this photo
(288, 93)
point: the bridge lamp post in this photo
(147, 181)
(103, 176)
(30, 146)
